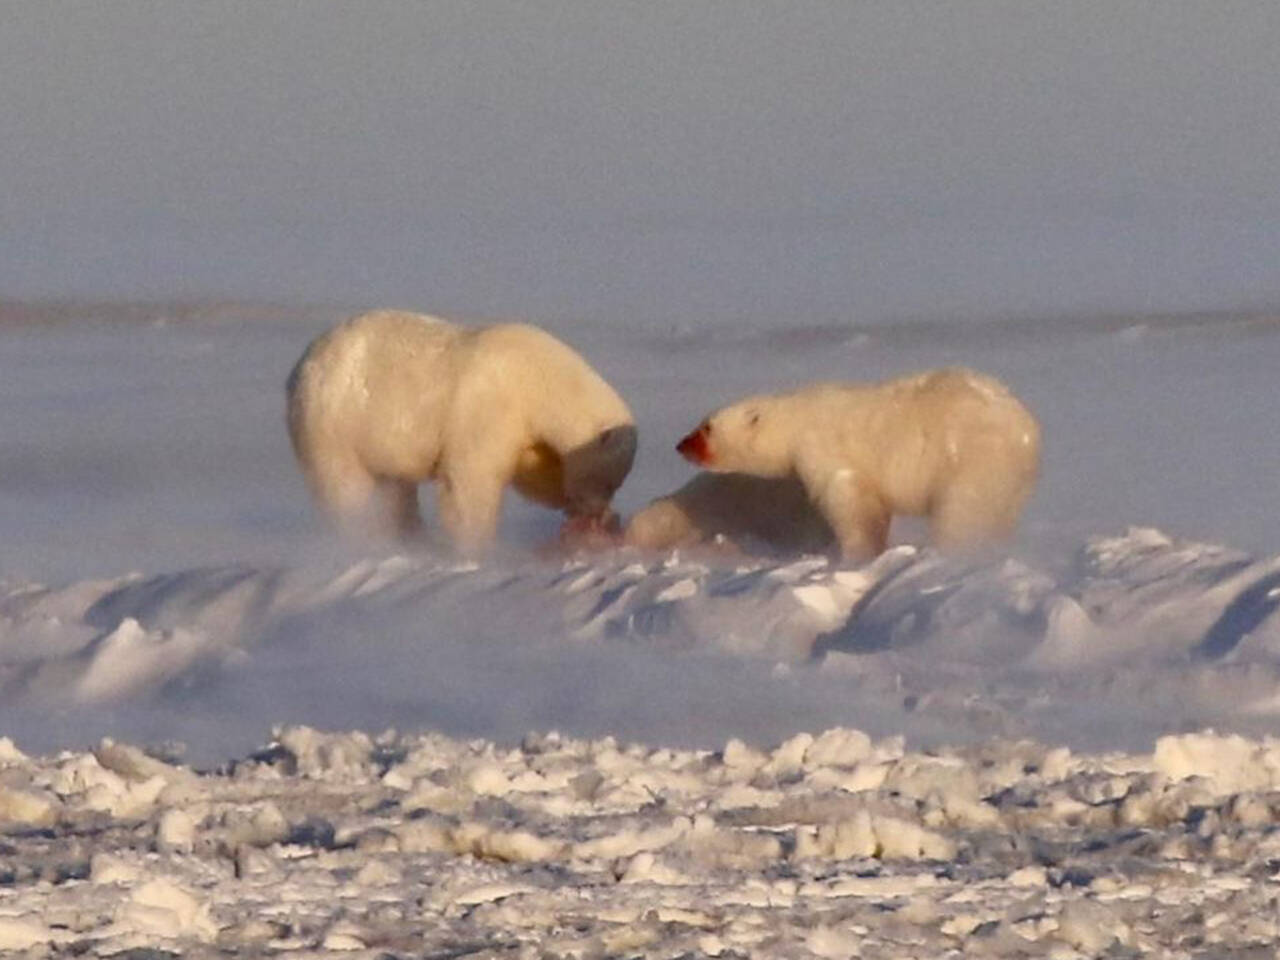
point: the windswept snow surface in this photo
(1139, 635)
(707, 753)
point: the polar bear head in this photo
(593, 472)
(754, 436)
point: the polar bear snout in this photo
(695, 447)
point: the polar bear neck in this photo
(565, 403)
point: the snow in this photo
(1004, 848)
(1137, 635)
(226, 730)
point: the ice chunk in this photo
(30, 807)
(163, 908)
(22, 933)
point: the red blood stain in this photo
(694, 447)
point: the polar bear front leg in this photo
(858, 516)
(400, 508)
(469, 504)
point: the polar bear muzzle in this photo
(695, 447)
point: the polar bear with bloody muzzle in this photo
(952, 445)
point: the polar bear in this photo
(951, 445)
(773, 513)
(389, 399)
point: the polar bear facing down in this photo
(773, 513)
(951, 445)
(387, 400)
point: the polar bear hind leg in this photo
(978, 508)
(399, 507)
(361, 502)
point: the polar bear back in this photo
(913, 435)
(952, 445)
(395, 387)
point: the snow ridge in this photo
(1140, 605)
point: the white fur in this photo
(952, 445)
(387, 400)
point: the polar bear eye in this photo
(753, 419)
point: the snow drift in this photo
(1138, 634)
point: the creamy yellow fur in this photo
(750, 512)
(952, 445)
(387, 400)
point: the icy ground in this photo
(826, 846)
(1032, 777)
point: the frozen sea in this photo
(225, 732)
(147, 487)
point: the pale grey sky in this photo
(646, 161)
